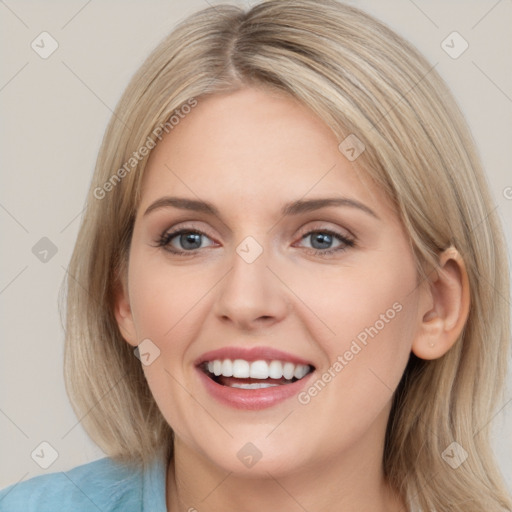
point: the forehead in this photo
(253, 148)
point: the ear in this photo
(123, 312)
(446, 309)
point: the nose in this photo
(251, 296)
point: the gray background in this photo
(54, 112)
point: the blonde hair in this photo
(361, 78)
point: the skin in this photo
(248, 153)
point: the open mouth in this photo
(242, 374)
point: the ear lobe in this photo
(123, 314)
(446, 312)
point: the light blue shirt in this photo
(101, 485)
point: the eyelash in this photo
(166, 237)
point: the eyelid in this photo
(324, 226)
(225, 230)
(318, 225)
(188, 226)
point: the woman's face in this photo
(275, 283)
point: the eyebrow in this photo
(289, 209)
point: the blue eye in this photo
(323, 237)
(190, 241)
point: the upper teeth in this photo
(242, 369)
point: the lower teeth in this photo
(256, 385)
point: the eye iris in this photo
(190, 238)
(322, 238)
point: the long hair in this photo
(362, 79)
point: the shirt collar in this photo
(153, 485)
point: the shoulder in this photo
(99, 485)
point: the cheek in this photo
(373, 317)
(369, 313)
(167, 308)
(164, 297)
(352, 301)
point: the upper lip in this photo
(251, 354)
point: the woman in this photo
(287, 288)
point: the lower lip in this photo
(252, 399)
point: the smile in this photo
(243, 374)
(252, 378)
